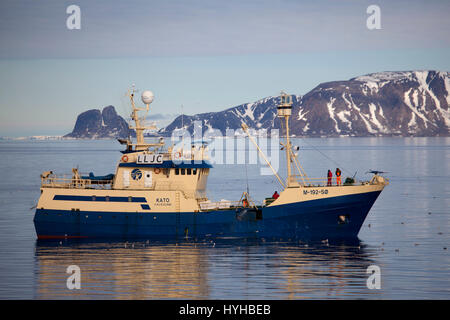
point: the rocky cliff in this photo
(93, 124)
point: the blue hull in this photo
(315, 219)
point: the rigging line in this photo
(124, 110)
(245, 128)
(336, 163)
(246, 176)
(182, 117)
(294, 160)
(285, 136)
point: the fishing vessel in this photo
(159, 191)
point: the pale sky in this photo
(207, 55)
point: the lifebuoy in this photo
(125, 158)
(157, 170)
(178, 155)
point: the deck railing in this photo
(71, 182)
(217, 205)
(322, 182)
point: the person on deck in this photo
(330, 177)
(338, 176)
(275, 195)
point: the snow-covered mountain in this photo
(411, 103)
(259, 114)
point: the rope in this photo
(246, 177)
(323, 154)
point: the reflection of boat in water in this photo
(123, 270)
(187, 270)
(159, 192)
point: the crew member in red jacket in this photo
(330, 177)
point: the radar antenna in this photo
(376, 171)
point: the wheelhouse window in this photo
(194, 171)
(189, 171)
(183, 171)
(177, 171)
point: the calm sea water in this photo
(406, 234)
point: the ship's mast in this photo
(284, 110)
(140, 145)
